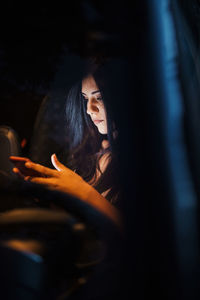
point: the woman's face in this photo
(95, 105)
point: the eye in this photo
(99, 98)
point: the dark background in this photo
(34, 37)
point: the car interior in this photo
(72, 252)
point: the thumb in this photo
(57, 165)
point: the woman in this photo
(92, 175)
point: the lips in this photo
(97, 121)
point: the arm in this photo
(65, 180)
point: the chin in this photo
(102, 130)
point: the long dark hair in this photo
(84, 140)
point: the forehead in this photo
(89, 85)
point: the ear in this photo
(57, 165)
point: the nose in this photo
(92, 106)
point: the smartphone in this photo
(19, 163)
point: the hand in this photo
(65, 180)
(62, 179)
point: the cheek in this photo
(102, 111)
(103, 126)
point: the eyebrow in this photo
(95, 92)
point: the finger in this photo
(45, 182)
(44, 171)
(57, 165)
(18, 158)
(39, 180)
(17, 172)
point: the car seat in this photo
(9, 145)
(49, 133)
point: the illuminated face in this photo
(95, 105)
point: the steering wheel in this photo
(46, 252)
